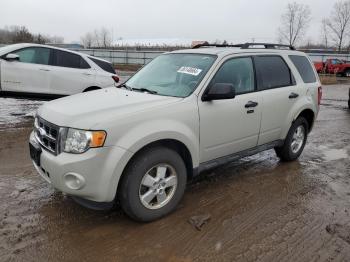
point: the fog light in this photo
(74, 181)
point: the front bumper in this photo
(98, 171)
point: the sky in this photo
(231, 20)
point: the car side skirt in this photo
(227, 159)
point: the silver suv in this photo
(185, 112)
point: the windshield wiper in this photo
(126, 86)
(145, 90)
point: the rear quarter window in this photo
(304, 68)
(104, 65)
(66, 59)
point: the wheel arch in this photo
(91, 88)
(171, 143)
(305, 107)
(174, 144)
(309, 115)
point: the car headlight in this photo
(78, 141)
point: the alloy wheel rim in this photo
(298, 139)
(158, 186)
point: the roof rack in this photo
(246, 45)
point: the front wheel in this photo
(295, 141)
(153, 184)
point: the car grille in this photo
(47, 135)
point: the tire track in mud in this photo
(238, 225)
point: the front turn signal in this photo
(98, 138)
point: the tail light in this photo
(319, 97)
(116, 78)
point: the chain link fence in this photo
(122, 56)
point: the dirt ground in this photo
(260, 209)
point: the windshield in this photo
(172, 74)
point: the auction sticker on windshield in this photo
(189, 70)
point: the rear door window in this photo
(272, 72)
(304, 68)
(104, 65)
(34, 55)
(67, 59)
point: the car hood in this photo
(10, 48)
(88, 110)
(4, 50)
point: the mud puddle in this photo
(17, 112)
(331, 154)
(14, 111)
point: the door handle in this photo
(87, 74)
(293, 95)
(251, 104)
(44, 69)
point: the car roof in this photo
(24, 45)
(97, 58)
(224, 51)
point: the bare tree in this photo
(5, 36)
(324, 33)
(40, 39)
(98, 38)
(22, 35)
(87, 40)
(294, 23)
(339, 23)
(105, 37)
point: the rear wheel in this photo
(153, 184)
(295, 141)
(347, 73)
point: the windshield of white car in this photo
(172, 74)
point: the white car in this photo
(184, 112)
(41, 69)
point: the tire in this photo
(347, 73)
(142, 196)
(291, 149)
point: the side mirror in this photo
(219, 91)
(12, 57)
